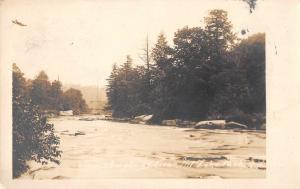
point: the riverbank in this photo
(256, 122)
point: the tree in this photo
(73, 100)
(127, 90)
(40, 90)
(47, 95)
(208, 73)
(55, 95)
(145, 57)
(229, 89)
(163, 103)
(123, 82)
(250, 58)
(33, 137)
(111, 90)
(192, 72)
(219, 34)
(161, 53)
(147, 75)
(239, 86)
(127, 68)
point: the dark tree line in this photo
(208, 73)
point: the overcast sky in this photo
(79, 40)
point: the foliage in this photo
(72, 100)
(40, 89)
(162, 75)
(55, 95)
(250, 59)
(219, 34)
(208, 73)
(33, 137)
(125, 90)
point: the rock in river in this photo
(142, 119)
(235, 125)
(211, 124)
(79, 133)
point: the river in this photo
(106, 149)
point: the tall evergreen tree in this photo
(164, 77)
(219, 34)
(111, 89)
(161, 53)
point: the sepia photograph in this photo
(137, 89)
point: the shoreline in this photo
(93, 117)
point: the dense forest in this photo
(208, 73)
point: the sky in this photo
(79, 40)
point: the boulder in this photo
(235, 125)
(139, 117)
(211, 124)
(147, 117)
(142, 119)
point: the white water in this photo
(122, 150)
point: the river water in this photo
(106, 149)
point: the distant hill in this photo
(95, 98)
